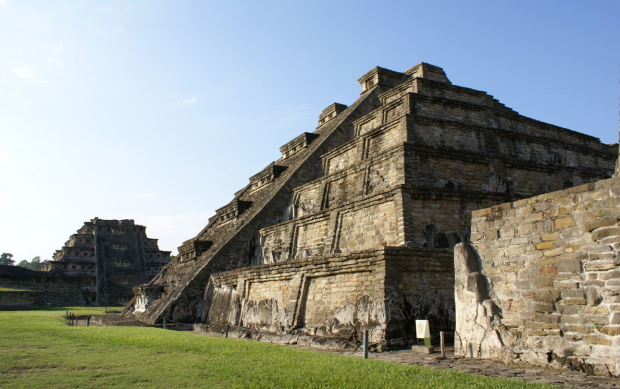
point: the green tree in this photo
(34, 264)
(5, 259)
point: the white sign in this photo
(422, 329)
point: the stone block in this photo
(544, 262)
(543, 282)
(574, 301)
(548, 270)
(595, 310)
(569, 265)
(599, 222)
(566, 284)
(526, 229)
(610, 275)
(490, 235)
(574, 324)
(554, 252)
(566, 309)
(563, 222)
(604, 232)
(520, 240)
(610, 330)
(589, 282)
(549, 236)
(599, 265)
(547, 295)
(541, 325)
(545, 245)
(596, 340)
(572, 293)
(610, 256)
(534, 217)
(571, 248)
(593, 296)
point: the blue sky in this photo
(158, 111)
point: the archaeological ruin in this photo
(353, 227)
(105, 259)
(40, 287)
(540, 281)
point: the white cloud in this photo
(143, 195)
(188, 101)
(4, 3)
(24, 71)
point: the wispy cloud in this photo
(188, 101)
(24, 71)
(143, 195)
(4, 3)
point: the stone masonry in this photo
(352, 229)
(46, 288)
(540, 282)
(109, 257)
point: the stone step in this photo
(604, 232)
(600, 222)
(595, 248)
(610, 239)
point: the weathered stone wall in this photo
(364, 224)
(419, 285)
(50, 288)
(339, 296)
(17, 300)
(440, 218)
(335, 296)
(541, 282)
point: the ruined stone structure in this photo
(17, 300)
(540, 282)
(109, 257)
(352, 228)
(41, 288)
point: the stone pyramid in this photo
(352, 228)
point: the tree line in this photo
(35, 263)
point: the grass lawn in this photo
(37, 350)
(3, 289)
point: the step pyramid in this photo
(352, 228)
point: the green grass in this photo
(3, 289)
(38, 350)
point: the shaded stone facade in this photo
(46, 288)
(109, 257)
(352, 228)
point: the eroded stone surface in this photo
(557, 304)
